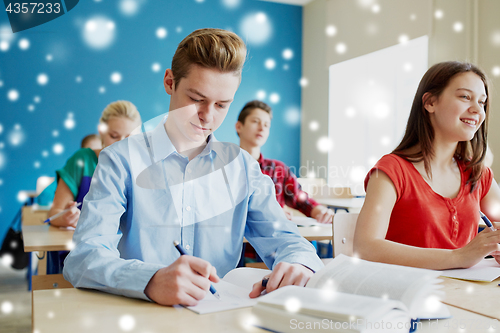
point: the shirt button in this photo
(188, 208)
(452, 209)
(188, 247)
(189, 170)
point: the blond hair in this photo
(120, 109)
(210, 48)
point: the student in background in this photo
(253, 125)
(423, 200)
(117, 121)
(177, 182)
(45, 198)
(92, 141)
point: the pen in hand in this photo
(183, 252)
(53, 217)
(487, 222)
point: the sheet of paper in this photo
(246, 277)
(485, 270)
(67, 228)
(231, 297)
(308, 221)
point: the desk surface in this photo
(46, 238)
(314, 233)
(479, 297)
(75, 310)
(347, 203)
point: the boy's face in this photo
(199, 102)
(255, 131)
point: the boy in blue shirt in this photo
(177, 182)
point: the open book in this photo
(353, 287)
(353, 295)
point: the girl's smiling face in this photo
(458, 112)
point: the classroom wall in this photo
(53, 90)
(465, 30)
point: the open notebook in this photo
(486, 270)
(233, 289)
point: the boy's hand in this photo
(322, 214)
(284, 274)
(186, 281)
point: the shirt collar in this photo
(261, 159)
(163, 147)
(160, 142)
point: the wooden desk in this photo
(479, 297)
(34, 215)
(46, 238)
(78, 311)
(353, 205)
(49, 238)
(315, 233)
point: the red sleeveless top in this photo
(423, 218)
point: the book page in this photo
(231, 297)
(355, 276)
(245, 277)
(485, 270)
(340, 307)
(233, 290)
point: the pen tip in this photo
(176, 243)
(217, 295)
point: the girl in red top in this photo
(423, 200)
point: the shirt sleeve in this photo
(46, 197)
(486, 180)
(392, 167)
(73, 172)
(294, 196)
(95, 260)
(273, 236)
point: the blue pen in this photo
(487, 222)
(183, 252)
(53, 217)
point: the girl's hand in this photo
(485, 243)
(68, 219)
(495, 254)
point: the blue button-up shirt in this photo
(144, 195)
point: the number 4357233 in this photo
(34, 8)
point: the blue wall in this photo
(37, 120)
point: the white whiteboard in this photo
(369, 102)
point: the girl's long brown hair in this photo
(419, 129)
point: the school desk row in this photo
(40, 237)
(82, 310)
(473, 306)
